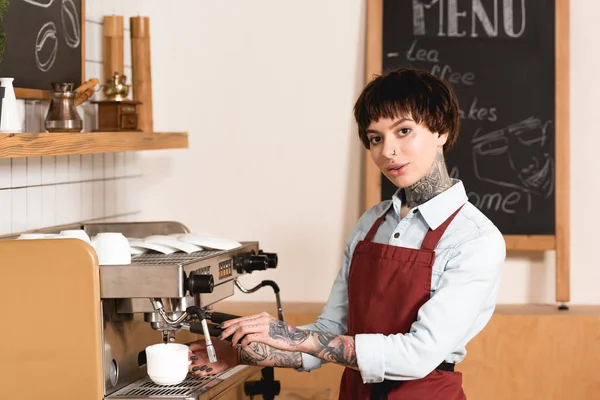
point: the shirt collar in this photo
(436, 210)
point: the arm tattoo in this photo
(432, 184)
(334, 348)
(291, 335)
(254, 354)
(263, 355)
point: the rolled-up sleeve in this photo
(334, 316)
(459, 309)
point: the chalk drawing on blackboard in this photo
(71, 23)
(40, 3)
(46, 46)
(517, 156)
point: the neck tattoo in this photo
(432, 184)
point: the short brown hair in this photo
(427, 99)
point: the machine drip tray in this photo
(191, 388)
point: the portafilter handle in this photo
(213, 330)
(219, 317)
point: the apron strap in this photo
(433, 236)
(371, 234)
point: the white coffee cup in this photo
(76, 234)
(32, 236)
(167, 364)
(112, 248)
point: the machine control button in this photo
(200, 283)
(249, 262)
(114, 373)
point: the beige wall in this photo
(265, 90)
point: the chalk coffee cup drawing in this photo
(112, 248)
(167, 364)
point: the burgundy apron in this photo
(386, 288)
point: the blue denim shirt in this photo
(464, 286)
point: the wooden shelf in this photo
(14, 145)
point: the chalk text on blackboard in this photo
(496, 201)
(453, 22)
(445, 71)
(479, 114)
(506, 203)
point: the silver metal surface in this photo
(163, 276)
(136, 229)
(191, 388)
(210, 349)
(142, 304)
(255, 289)
(125, 337)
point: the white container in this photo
(167, 364)
(112, 248)
(10, 121)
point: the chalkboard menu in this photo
(43, 42)
(500, 58)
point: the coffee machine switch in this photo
(250, 262)
(200, 283)
(271, 259)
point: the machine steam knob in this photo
(249, 262)
(271, 257)
(200, 283)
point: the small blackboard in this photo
(44, 42)
(500, 58)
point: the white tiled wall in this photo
(38, 192)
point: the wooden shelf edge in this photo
(530, 242)
(32, 94)
(14, 145)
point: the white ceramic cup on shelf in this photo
(32, 236)
(76, 234)
(112, 248)
(167, 364)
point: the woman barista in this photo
(420, 274)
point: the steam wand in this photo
(267, 386)
(210, 349)
(261, 285)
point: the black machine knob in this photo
(271, 257)
(200, 283)
(249, 262)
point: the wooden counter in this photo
(526, 352)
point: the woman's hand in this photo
(263, 328)
(227, 357)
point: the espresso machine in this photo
(168, 298)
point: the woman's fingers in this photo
(249, 328)
(253, 338)
(258, 324)
(236, 321)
